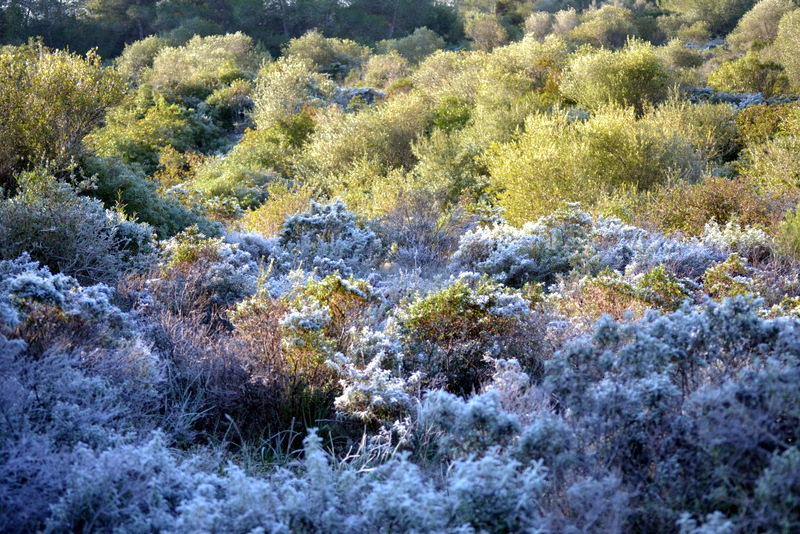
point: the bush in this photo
(414, 47)
(204, 64)
(68, 233)
(146, 124)
(382, 70)
(558, 159)
(139, 55)
(285, 87)
(51, 100)
(328, 55)
(786, 43)
(485, 32)
(632, 76)
(687, 208)
(759, 25)
(449, 333)
(608, 27)
(749, 75)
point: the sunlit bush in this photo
(632, 76)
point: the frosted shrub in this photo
(128, 489)
(536, 253)
(599, 506)
(493, 494)
(371, 394)
(327, 238)
(459, 427)
(749, 242)
(205, 265)
(447, 333)
(70, 233)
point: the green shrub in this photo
(758, 124)
(137, 131)
(205, 64)
(448, 333)
(414, 47)
(139, 55)
(687, 208)
(720, 15)
(633, 76)
(327, 54)
(485, 32)
(557, 159)
(609, 27)
(50, 100)
(749, 74)
(382, 70)
(760, 24)
(286, 86)
(787, 44)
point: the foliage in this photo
(51, 100)
(561, 159)
(749, 75)
(68, 233)
(759, 25)
(328, 55)
(786, 43)
(485, 32)
(414, 47)
(607, 27)
(450, 332)
(204, 64)
(632, 76)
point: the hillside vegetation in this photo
(408, 266)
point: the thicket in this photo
(482, 268)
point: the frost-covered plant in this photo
(327, 238)
(448, 333)
(130, 488)
(192, 261)
(493, 494)
(730, 278)
(537, 252)
(70, 233)
(749, 242)
(458, 427)
(372, 394)
(46, 309)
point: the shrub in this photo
(485, 32)
(383, 70)
(687, 208)
(720, 15)
(204, 64)
(326, 238)
(70, 234)
(284, 87)
(558, 159)
(448, 333)
(414, 47)
(328, 55)
(748, 74)
(136, 131)
(139, 55)
(538, 25)
(632, 76)
(759, 25)
(609, 27)
(786, 43)
(51, 100)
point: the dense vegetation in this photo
(405, 266)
